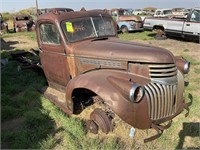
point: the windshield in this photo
(124, 12)
(90, 27)
(167, 12)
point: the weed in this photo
(146, 35)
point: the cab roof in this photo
(72, 15)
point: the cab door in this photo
(52, 55)
(191, 28)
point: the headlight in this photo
(186, 67)
(136, 93)
(182, 64)
(132, 23)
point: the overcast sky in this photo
(16, 5)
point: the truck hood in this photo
(116, 49)
(129, 18)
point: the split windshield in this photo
(90, 27)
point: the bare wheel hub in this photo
(102, 120)
(92, 126)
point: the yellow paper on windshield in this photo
(69, 27)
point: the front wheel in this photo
(99, 120)
(124, 29)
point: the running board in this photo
(56, 97)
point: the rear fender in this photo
(113, 87)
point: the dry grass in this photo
(68, 132)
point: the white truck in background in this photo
(187, 28)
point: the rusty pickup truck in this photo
(23, 23)
(85, 63)
(126, 22)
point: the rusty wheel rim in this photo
(102, 120)
(92, 126)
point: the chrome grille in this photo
(162, 70)
(161, 100)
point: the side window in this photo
(158, 13)
(195, 16)
(49, 34)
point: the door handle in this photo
(187, 24)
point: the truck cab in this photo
(126, 22)
(85, 63)
(163, 12)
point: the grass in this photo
(44, 126)
(146, 35)
(29, 35)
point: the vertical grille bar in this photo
(161, 100)
(150, 95)
(165, 100)
(168, 99)
(175, 97)
(158, 100)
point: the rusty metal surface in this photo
(92, 126)
(109, 68)
(72, 15)
(115, 49)
(56, 97)
(99, 82)
(23, 23)
(128, 18)
(54, 10)
(102, 120)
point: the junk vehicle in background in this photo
(55, 10)
(3, 25)
(180, 12)
(22, 23)
(126, 22)
(187, 28)
(86, 64)
(163, 12)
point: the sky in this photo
(16, 5)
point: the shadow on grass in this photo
(7, 45)
(189, 129)
(153, 34)
(24, 121)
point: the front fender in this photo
(113, 86)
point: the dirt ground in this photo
(18, 42)
(177, 47)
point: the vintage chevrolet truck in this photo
(85, 63)
(187, 28)
(126, 22)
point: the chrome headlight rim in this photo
(186, 67)
(136, 93)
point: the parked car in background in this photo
(126, 22)
(180, 12)
(23, 23)
(187, 28)
(163, 12)
(55, 10)
(138, 12)
(3, 25)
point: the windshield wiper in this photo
(99, 38)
